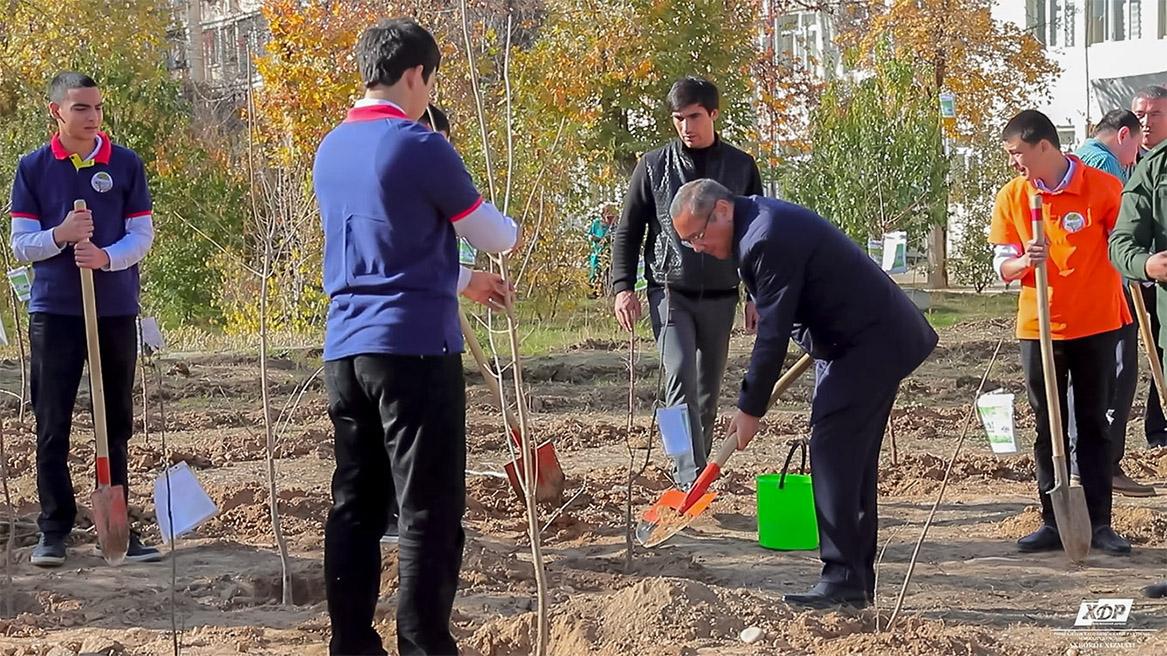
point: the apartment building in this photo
(212, 41)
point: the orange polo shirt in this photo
(1085, 291)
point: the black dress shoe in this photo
(1156, 590)
(1105, 539)
(1043, 539)
(823, 600)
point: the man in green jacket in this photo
(1138, 244)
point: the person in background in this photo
(693, 320)
(1138, 247)
(111, 236)
(1150, 106)
(1114, 149)
(436, 120)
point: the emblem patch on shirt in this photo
(101, 182)
(1073, 222)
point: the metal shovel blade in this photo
(112, 522)
(664, 519)
(549, 479)
(1069, 502)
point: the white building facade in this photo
(1107, 49)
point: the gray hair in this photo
(1152, 92)
(699, 197)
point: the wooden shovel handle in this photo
(1148, 340)
(471, 340)
(96, 387)
(1048, 373)
(729, 444)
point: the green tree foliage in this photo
(875, 162)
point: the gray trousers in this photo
(692, 337)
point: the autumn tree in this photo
(123, 46)
(994, 68)
(873, 167)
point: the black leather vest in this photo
(680, 267)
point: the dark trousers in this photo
(58, 360)
(399, 419)
(852, 403)
(1090, 362)
(1122, 396)
(692, 336)
(1155, 424)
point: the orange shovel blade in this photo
(112, 522)
(549, 479)
(664, 519)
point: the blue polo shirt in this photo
(390, 191)
(113, 185)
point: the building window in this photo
(1095, 21)
(1067, 136)
(1035, 19)
(210, 49)
(1134, 19)
(1162, 19)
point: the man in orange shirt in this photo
(1087, 308)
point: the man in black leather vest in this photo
(692, 297)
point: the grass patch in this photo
(949, 309)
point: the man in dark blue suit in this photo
(813, 284)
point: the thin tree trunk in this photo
(270, 450)
(15, 306)
(9, 544)
(530, 473)
(628, 546)
(169, 497)
(267, 231)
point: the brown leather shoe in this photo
(1127, 487)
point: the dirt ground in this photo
(971, 592)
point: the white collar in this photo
(372, 102)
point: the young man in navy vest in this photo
(394, 198)
(813, 284)
(110, 236)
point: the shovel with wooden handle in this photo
(1149, 341)
(1069, 501)
(108, 502)
(549, 479)
(676, 509)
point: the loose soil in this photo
(971, 592)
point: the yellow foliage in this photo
(994, 68)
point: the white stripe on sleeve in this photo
(131, 248)
(1001, 253)
(30, 243)
(487, 229)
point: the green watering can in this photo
(786, 516)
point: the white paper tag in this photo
(191, 505)
(675, 430)
(152, 334)
(996, 413)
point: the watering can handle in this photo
(795, 445)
